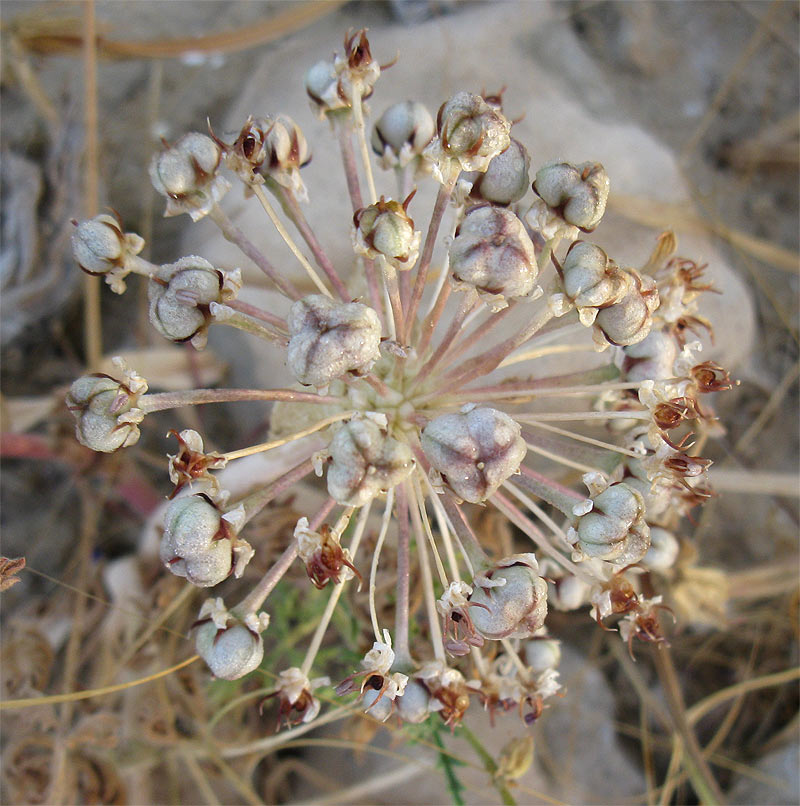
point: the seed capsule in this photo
(470, 134)
(401, 133)
(578, 192)
(106, 417)
(592, 280)
(651, 358)
(475, 451)
(197, 543)
(181, 295)
(231, 647)
(385, 229)
(365, 460)
(663, 551)
(615, 529)
(506, 179)
(330, 339)
(493, 254)
(513, 598)
(100, 247)
(629, 320)
(186, 173)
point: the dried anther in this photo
(323, 555)
(458, 631)
(9, 568)
(191, 464)
(711, 377)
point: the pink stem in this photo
(195, 397)
(258, 313)
(401, 614)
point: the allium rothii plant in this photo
(405, 368)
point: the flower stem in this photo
(256, 501)
(293, 210)
(288, 240)
(401, 614)
(266, 446)
(469, 543)
(373, 571)
(233, 234)
(256, 598)
(319, 633)
(225, 315)
(442, 198)
(196, 397)
(258, 313)
(358, 119)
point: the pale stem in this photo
(233, 234)
(468, 303)
(533, 392)
(553, 349)
(562, 498)
(557, 416)
(283, 232)
(293, 210)
(441, 280)
(514, 514)
(319, 633)
(540, 514)
(562, 460)
(393, 292)
(233, 318)
(341, 124)
(434, 315)
(401, 614)
(373, 571)
(258, 313)
(420, 505)
(550, 247)
(588, 440)
(490, 360)
(480, 333)
(427, 582)
(266, 446)
(195, 397)
(441, 521)
(405, 287)
(256, 598)
(358, 119)
(523, 670)
(403, 181)
(256, 501)
(138, 265)
(442, 198)
(264, 745)
(469, 543)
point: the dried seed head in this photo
(180, 298)
(506, 179)
(385, 229)
(592, 280)
(231, 647)
(106, 417)
(470, 134)
(653, 357)
(474, 450)
(270, 146)
(197, 543)
(101, 247)
(493, 254)
(514, 599)
(186, 173)
(578, 192)
(615, 529)
(629, 320)
(401, 133)
(663, 551)
(365, 461)
(330, 339)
